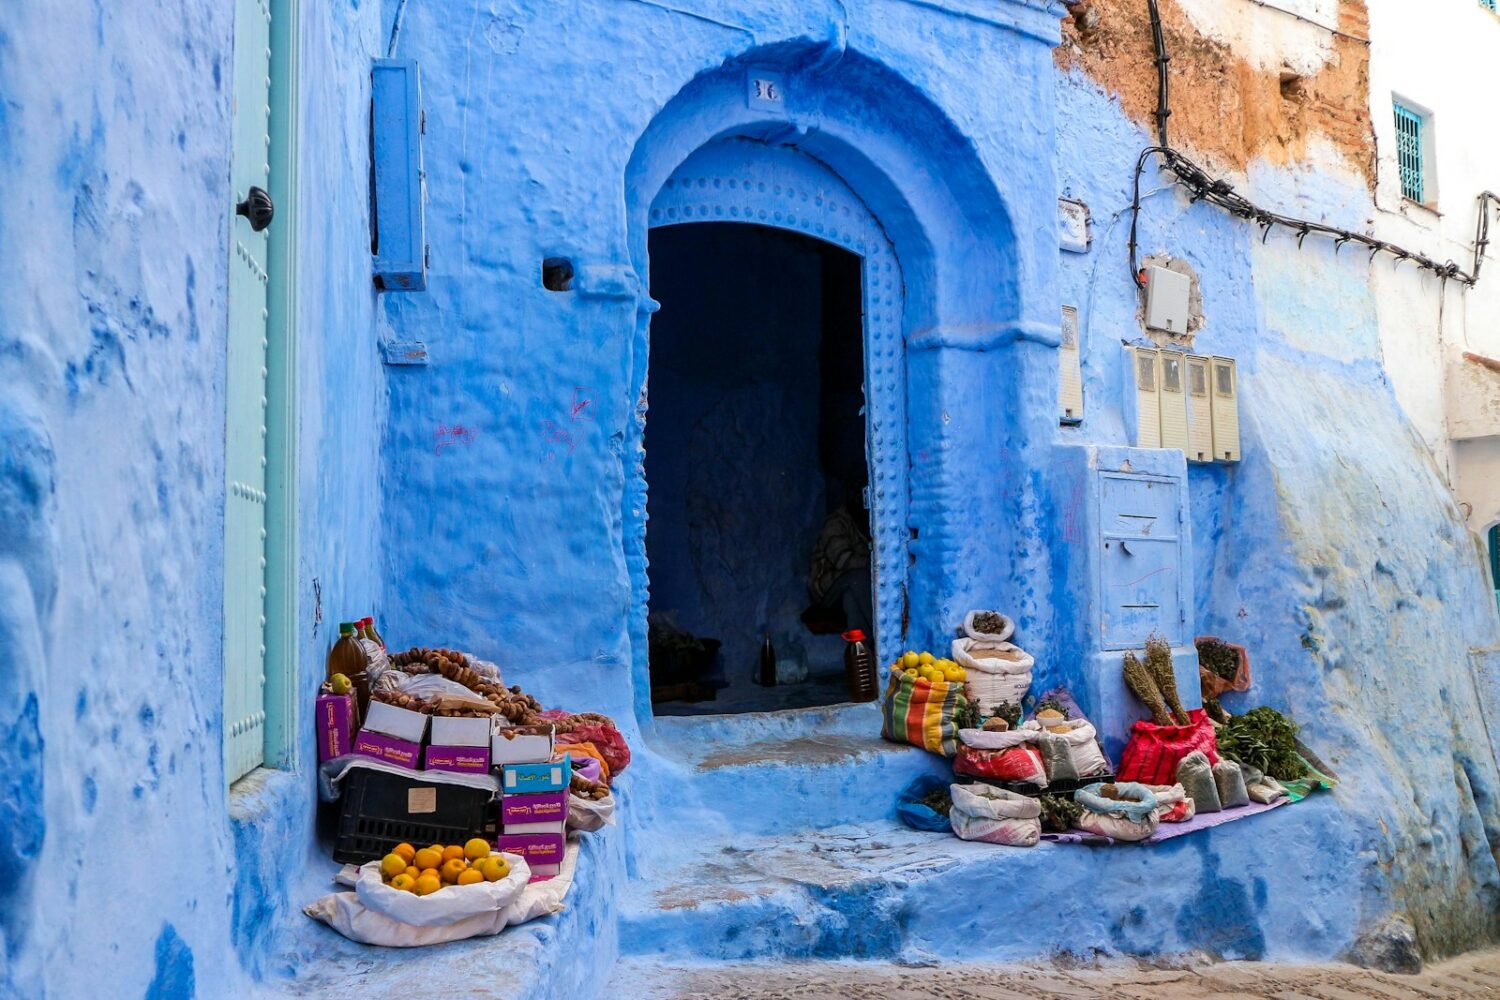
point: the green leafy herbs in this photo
(966, 716)
(1264, 739)
(1059, 814)
(1010, 712)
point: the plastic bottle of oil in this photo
(347, 657)
(370, 631)
(859, 666)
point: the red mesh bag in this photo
(1018, 763)
(1153, 753)
(590, 727)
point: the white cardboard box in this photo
(460, 732)
(557, 826)
(521, 749)
(402, 723)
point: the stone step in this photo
(768, 774)
(877, 890)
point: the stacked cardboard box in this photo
(459, 745)
(533, 799)
(392, 734)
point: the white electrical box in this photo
(1141, 396)
(1225, 404)
(1167, 294)
(1069, 370)
(1200, 414)
(1173, 401)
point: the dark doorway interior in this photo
(755, 459)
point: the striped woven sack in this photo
(922, 713)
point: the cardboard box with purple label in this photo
(536, 848)
(468, 760)
(402, 753)
(335, 717)
(554, 827)
(451, 732)
(533, 779)
(541, 873)
(548, 807)
(402, 723)
(510, 747)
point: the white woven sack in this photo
(992, 681)
(1117, 826)
(1083, 746)
(984, 739)
(994, 816)
(1006, 631)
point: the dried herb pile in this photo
(939, 801)
(1264, 739)
(1059, 814)
(1219, 659)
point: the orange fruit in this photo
(477, 848)
(427, 884)
(392, 865)
(494, 868)
(469, 876)
(405, 852)
(428, 858)
(453, 868)
(453, 852)
(403, 882)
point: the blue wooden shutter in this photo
(245, 405)
(1409, 151)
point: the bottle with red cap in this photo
(859, 666)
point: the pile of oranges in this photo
(427, 870)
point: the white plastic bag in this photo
(588, 815)
(1006, 630)
(449, 905)
(349, 916)
(998, 671)
(993, 815)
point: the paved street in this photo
(1474, 975)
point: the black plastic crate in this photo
(379, 810)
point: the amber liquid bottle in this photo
(347, 658)
(859, 666)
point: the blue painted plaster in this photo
(478, 503)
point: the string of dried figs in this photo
(463, 713)
(586, 789)
(467, 676)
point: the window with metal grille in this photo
(1409, 151)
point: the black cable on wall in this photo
(1217, 191)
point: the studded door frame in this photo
(740, 180)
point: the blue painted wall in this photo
(114, 146)
(492, 499)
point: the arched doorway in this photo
(727, 191)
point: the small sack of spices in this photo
(1196, 775)
(1230, 784)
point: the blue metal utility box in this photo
(1127, 571)
(396, 159)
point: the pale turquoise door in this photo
(246, 384)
